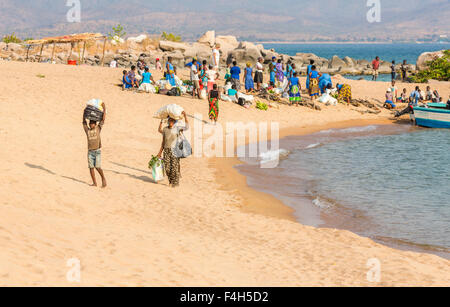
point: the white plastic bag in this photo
(203, 94)
(96, 103)
(172, 110)
(147, 87)
(249, 98)
(158, 172)
(225, 98)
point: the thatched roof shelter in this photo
(67, 39)
(73, 38)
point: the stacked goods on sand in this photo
(172, 110)
(94, 110)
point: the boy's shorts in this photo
(375, 72)
(95, 158)
(196, 84)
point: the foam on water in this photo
(273, 155)
(350, 130)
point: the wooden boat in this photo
(435, 115)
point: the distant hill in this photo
(247, 19)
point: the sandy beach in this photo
(212, 231)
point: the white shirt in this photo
(215, 57)
(259, 67)
(113, 64)
(194, 73)
(211, 74)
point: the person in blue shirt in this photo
(413, 102)
(147, 77)
(314, 77)
(308, 71)
(294, 90)
(415, 97)
(235, 75)
(272, 71)
(126, 83)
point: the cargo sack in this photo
(92, 113)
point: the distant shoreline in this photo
(342, 43)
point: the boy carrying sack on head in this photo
(94, 147)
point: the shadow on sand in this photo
(39, 167)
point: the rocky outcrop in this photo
(129, 51)
(208, 38)
(172, 46)
(426, 57)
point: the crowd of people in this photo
(204, 76)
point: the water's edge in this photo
(339, 217)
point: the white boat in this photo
(435, 115)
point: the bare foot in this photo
(94, 185)
(104, 185)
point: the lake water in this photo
(387, 52)
(389, 183)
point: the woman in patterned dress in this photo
(171, 162)
(345, 93)
(213, 98)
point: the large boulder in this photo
(349, 61)
(178, 58)
(268, 55)
(199, 51)
(246, 52)
(209, 38)
(364, 64)
(426, 57)
(172, 46)
(336, 63)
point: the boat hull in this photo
(432, 118)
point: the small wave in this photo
(274, 155)
(350, 130)
(313, 145)
(322, 204)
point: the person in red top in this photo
(375, 67)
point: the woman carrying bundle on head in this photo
(170, 136)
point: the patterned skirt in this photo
(294, 94)
(172, 167)
(314, 87)
(214, 108)
(345, 93)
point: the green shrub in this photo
(170, 37)
(11, 39)
(438, 69)
(117, 31)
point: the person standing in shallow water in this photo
(375, 67)
(171, 162)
